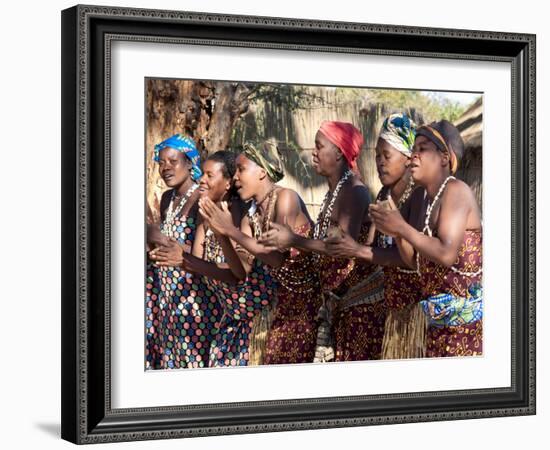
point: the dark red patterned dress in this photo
(463, 340)
(359, 315)
(293, 333)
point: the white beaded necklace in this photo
(323, 220)
(172, 213)
(431, 205)
(427, 230)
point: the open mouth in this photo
(168, 177)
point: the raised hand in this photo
(219, 219)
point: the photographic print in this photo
(311, 222)
(295, 223)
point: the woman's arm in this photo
(400, 256)
(406, 253)
(198, 243)
(173, 256)
(451, 224)
(347, 247)
(238, 262)
(414, 211)
(154, 236)
(212, 270)
(350, 212)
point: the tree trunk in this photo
(205, 111)
(230, 102)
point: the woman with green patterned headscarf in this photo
(288, 334)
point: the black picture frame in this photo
(87, 33)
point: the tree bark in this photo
(230, 102)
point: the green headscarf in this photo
(267, 156)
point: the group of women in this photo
(239, 274)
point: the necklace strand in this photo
(213, 251)
(427, 230)
(432, 205)
(172, 213)
(325, 214)
(253, 214)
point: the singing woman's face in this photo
(325, 156)
(391, 164)
(174, 167)
(247, 177)
(427, 161)
(213, 183)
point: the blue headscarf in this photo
(187, 146)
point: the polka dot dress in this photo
(230, 346)
(181, 312)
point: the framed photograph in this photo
(222, 269)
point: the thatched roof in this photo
(470, 125)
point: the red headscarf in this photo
(346, 137)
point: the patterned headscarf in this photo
(187, 146)
(267, 156)
(399, 131)
(431, 133)
(346, 137)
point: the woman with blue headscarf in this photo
(180, 311)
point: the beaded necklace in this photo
(290, 279)
(323, 220)
(427, 230)
(213, 251)
(253, 213)
(172, 213)
(257, 228)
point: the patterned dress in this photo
(401, 289)
(461, 340)
(359, 312)
(240, 305)
(181, 312)
(293, 333)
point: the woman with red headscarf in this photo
(352, 316)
